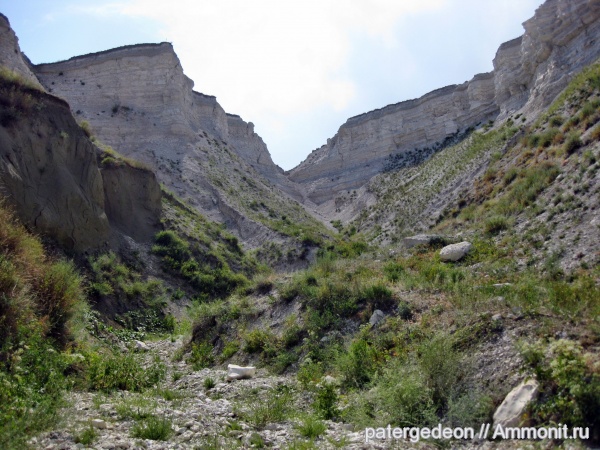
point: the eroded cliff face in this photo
(132, 200)
(10, 53)
(561, 39)
(359, 150)
(49, 170)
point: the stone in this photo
(376, 318)
(99, 423)
(455, 252)
(235, 372)
(510, 412)
(140, 346)
(419, 239)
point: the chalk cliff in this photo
(561, 39)
(138, 100)
(359, 149)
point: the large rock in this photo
(239, 372)
(510, 412)
(377, 317)
(455, 252)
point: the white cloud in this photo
(270, 57)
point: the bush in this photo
(556, 121)
(326, 399)
(378, 295)
(276, 407)
(209, 383)
(442, 368)
(393, 271)
(109, 372)
(470, 410)
(357, 364)
(570, 385)
(401, 397)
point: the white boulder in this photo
(510, 412)
(239, 373)
(140, 346)
(454, 252)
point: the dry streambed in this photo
(198, 410)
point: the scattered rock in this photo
(510, 412)
(239, 373)
(455, 252)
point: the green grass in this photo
(117, 371)
(274, 406)
(153, 428)
(311, 427)
(40, 299)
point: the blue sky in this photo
(297, 70)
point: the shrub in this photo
(570, 386)
(276, 407)
(402, 398)
(358, 363)
(87, 436)
(595, 134)
(59, 290)
(441, 365)
(587, 110)
(378, 295)
(85, 126)
(116, 371)
(209, 383)
(326, 399)
(393, 271)
(470, 410)
(556, 121)
(547, 137)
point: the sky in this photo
(297, 70)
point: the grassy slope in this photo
(457, 335)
